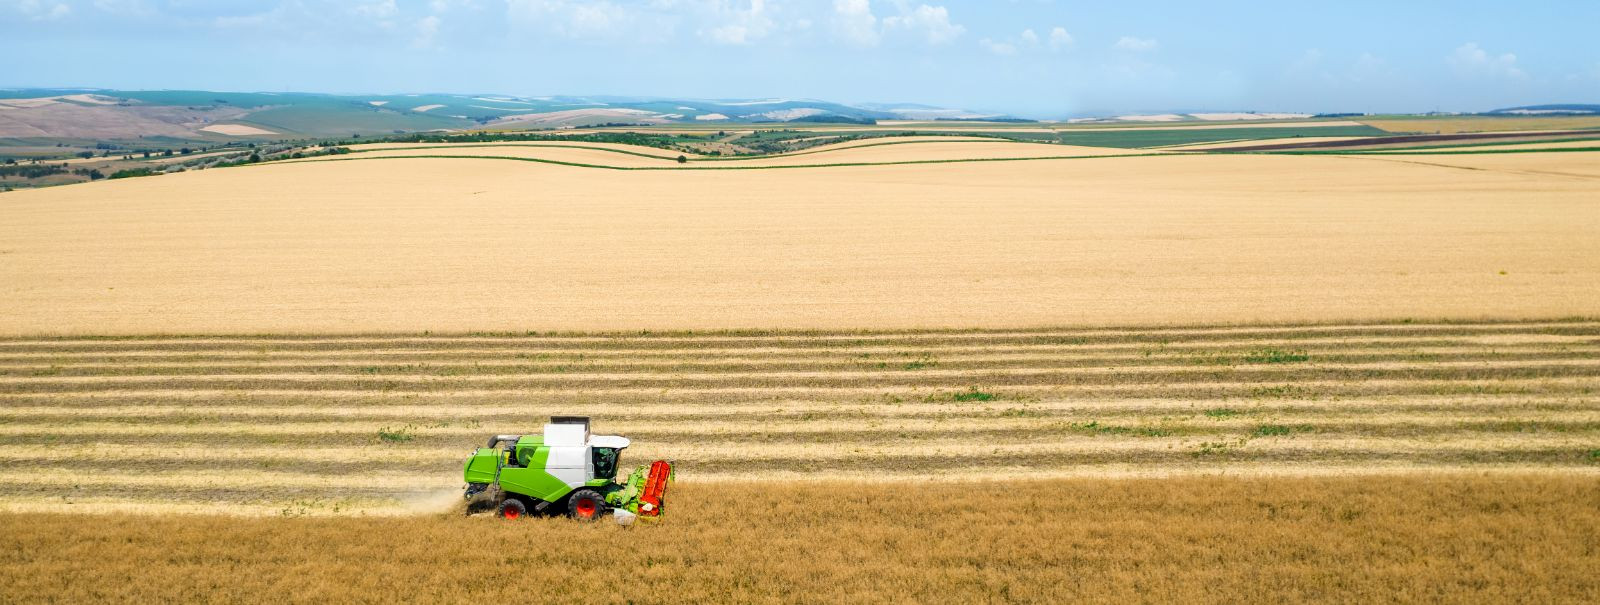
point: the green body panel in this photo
(482, 465)
(532, 480)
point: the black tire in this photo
(586, 505)
(511, 508)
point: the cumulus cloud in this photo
(1138, 45)
(1029, 40)
(1059, 38)
(932, 22)
(737, 24)
(41, 10)
(445, 6)
(427, 27)
(854, 22)
(570, 18)
(1471, 60)
(1004, 49)
(376, 9)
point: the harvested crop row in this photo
(907, 361)
(130, 422)
(657, 396)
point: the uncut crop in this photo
(314, 425)
(456, 244)
(1268, 540)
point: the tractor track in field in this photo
(136, 422)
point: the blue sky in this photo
(1031, 57)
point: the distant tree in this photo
(132, 172)
(95, 175)
(184, 151)
(683, 160)
(85, 154)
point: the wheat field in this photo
(1526, 538)
(1169, 377)
(463, 244)
(380, 424)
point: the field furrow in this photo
(382, 422)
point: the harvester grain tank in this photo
(566, 470)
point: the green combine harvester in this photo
(564, 471)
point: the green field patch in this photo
(1279, 430)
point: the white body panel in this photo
(566, 434)
(570, 463)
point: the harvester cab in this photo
(566, 470)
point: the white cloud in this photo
(376, 9)
(427, 28)
(445, 6)
(1004, 49)
(854, 21)
(1307, 63)
(1059, 38)
(570, 18)
(738, 25)
(1030, 39)
(1138, 45)
(856, 24)
(1471, 60)
(42, 10)
(125, 7)
(932, 21)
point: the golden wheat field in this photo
(462, 244)
(1434, 539)
(1000, 377)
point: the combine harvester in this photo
(566, 470)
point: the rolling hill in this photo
(35, 114)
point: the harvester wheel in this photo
(586, 505)
(512, 509)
